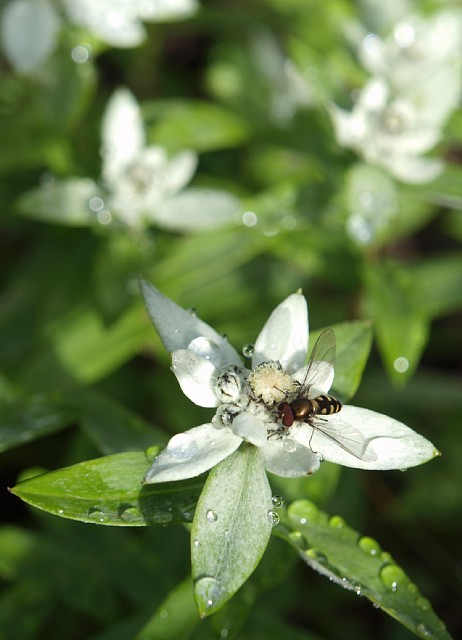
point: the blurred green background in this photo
(249, 87)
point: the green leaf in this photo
(175, 618)
(201, 126)
(357, 563)
(231, 528)
(438, 284)
(353, 344)
(109, 491)
(115, 429)
(400, 320)
(63, 202)
(90, 350)
(26, 417)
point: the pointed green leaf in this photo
(400, 319)
(175, 618)
(357, 563)
(65, 202)
(25, 417)
(115, 429)
(231, 528)
(109, 491)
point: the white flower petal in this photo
(250, 428)
(29, 33)
(416, 170)
(180, 170)
(178, 327)
(113, 22)
(197, 377)
(285, 335)
(380, 442)
(289, 461)
(191, 453)
(197, 209)
(122, 135)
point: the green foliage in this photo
(248, 88)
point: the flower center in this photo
(270, 383)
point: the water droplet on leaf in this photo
(278, 501)
(393, 577)
(211, 516)
(369, 546)
(337, 522)
(129, 513)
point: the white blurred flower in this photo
(137, 177)
(421, 59)
(143, 185)
(389, 132)
(211, 373)
(30, 28)
(416, 84)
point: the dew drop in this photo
(224, 633)
(163, 614)
(211, 516)
(289, 445)
(176, 331)
(97, 515)
(316, 555)
(151, 453)
(128, 513)
(401, 364)
(303, 511)
(104, 217)
(392, 577)
(369, 546)
(247, 350)
(182, 446)
(60, 512)
(273, 518)
(278, 501)
(423, 603)
(192, 311)
(208, 591)
(96, 204)
(424, 630)
(337, 522)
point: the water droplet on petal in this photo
(197, 544)
(369, 546)
(247, 350)
(182, 446)
(273, 518)
(192, 311)
(278, 501)
(211, 516)
(289, 445)
(393, 577)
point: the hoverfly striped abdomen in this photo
(326, 405)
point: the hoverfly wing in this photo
(346, 436)
(319, 372)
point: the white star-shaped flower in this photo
(250, 402)
(389, 132)
(138, 178)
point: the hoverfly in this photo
(312, 410)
